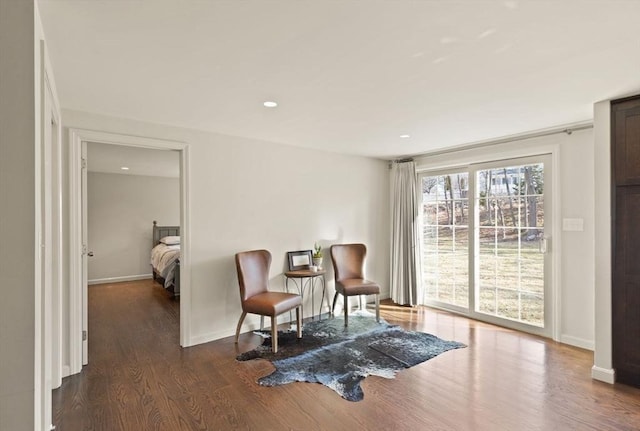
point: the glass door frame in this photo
(551, 234)
(435, 303)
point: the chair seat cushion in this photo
(357, 286)
(271, 303)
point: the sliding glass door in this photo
(498, 211)
(445, 232)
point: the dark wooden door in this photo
(625, 128)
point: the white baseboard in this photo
(248, 326)
(607, 375)
(66, 371)
(211, 336)
(577, 342)
(119, 279)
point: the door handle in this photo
(90, 254)
(542, 245)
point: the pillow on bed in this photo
(170, 240)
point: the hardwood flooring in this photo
(138, 378)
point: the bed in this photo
(165, 257)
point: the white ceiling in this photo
(111, 159)
(350, 76)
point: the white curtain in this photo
(404, 234)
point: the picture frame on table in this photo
(300, 259)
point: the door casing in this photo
(77, 249)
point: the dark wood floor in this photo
(138, 378)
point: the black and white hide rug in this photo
(340, 358)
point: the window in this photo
(446, 238)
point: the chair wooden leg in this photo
(346, 310)
(244, 314)
(335, 299)
(274, 334)
(377, 307)
(299, 321)
(261, 323)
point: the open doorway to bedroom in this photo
(124, 189)
(133, 204)
(133, 247)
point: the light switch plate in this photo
(573, 224)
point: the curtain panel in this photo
(404, 234)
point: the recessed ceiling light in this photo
(405, 136)
(486, 33)
(124, 168)
(270, 104)
(447, 40)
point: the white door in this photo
(85, 257)
(512, 253)
(46, 267)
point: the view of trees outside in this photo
(510, 265)
(511, 224)
(446, 238)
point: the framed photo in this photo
(299, 259)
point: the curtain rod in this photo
(513, 138)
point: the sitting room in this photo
(383, 215)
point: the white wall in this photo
(574, 173)
(21, 374)
(577, 286)
(17, 226)
(603, 361)
(121, 210)
(247, 194)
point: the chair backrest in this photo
(348, 260)
(253, 272)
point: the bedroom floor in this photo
(138, 378)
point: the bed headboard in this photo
(162, 231)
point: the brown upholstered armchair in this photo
(253, 278)
(348, 264)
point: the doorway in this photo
(127, 189)
(79, 336)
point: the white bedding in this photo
(163, 259)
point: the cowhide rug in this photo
(340, 358)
